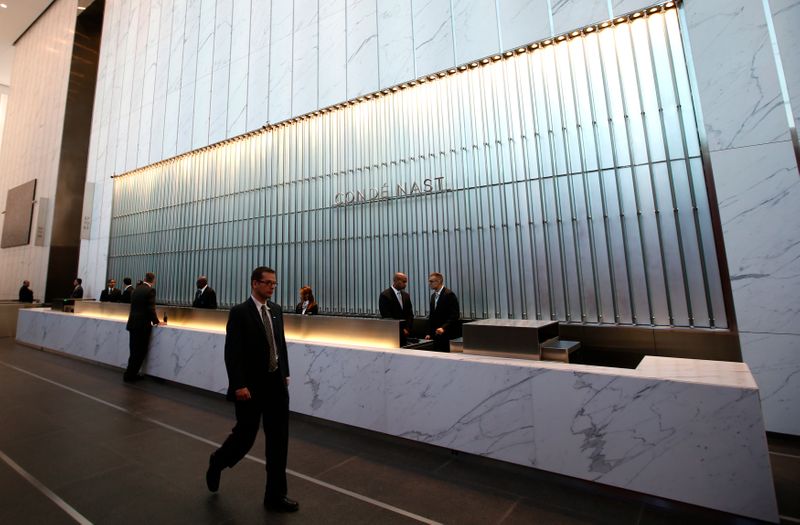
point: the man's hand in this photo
(427, 337)
(287, 380)
(405, 332)
(243, 394)
(439, 331)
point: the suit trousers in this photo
(270, 405)
(139, 344)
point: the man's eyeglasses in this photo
(268, 283)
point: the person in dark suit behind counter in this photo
(25, 292)
(258, 379)
(77, 289)
(395, 303)
(307, 305)
(205, 296)
(141, 320)
(127, 290)
(110, 293)
(444, 314)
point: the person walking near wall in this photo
(258, 378)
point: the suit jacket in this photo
(126, 295)
(246, 350)
(112, 297)
(77, 292)
(390, 307)
(25, 295)
(207, 299)
(445, 314)
(143, 308)
(314, 310)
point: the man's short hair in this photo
(127, 281)
(149, 277)
(258, 272)
(437, 275)
(80, 281)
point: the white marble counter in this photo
(681, 429)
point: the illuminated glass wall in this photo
(558, 181)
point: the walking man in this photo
(258, 377)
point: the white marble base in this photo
(686, 430)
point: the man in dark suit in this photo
(110, 293)
(444, 314)
(140, 324)
(395, 303)
(127, 290)
(77, 289)
(25, 292)
(258, 377)
(205, 296)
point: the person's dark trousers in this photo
(139, 343)
(271, 406)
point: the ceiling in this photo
(14, 20)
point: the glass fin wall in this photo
(558, 181)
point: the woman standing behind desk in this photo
(307, 305)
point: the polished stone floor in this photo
(79, 445)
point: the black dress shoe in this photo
(283, 504)
(213, 474)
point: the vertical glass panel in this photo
(562, 182)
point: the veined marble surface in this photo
(681, 429)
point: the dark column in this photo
(68, 206)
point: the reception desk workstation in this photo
(682, 429)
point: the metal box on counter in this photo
(508, 337)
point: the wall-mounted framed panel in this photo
(18, 215)
(561, 180)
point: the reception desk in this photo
(687, 430)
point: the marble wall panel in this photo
(523, 22)
(280, 61)
(575, 14)
(757, 189)
(476, 31)
(332, 52)
(258, 64)
(735, 70)
(786, 20)
(220, 76)
(475, 407)
(433, 36)
(140, 66)
(305, 57)
(240, 29)
(345, 390)
(205, 63)
(237, 98)
(395, 42)
(775, 362)
(202, 111)
(362, 48)
(622, 7)
(239, 71)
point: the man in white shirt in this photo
(395, 303)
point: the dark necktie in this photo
(273, 356)
(197, 294)
(433, 302)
